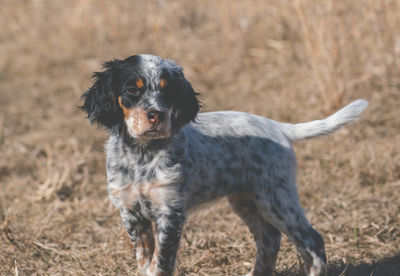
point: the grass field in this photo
(287, 60)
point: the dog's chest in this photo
(136, 184)
(134, 198)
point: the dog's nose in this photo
(155, 116)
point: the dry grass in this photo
(288, 60)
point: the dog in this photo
(164, 158)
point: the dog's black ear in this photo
(100, 99)
(186, 104)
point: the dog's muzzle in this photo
(146, 123)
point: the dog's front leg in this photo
(168, 233)
(140, 232)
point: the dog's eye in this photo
(135, 86)
(163, 83)
(139, 83)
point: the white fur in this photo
(344, 116)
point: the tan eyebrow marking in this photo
(163, 83)
(139, 83)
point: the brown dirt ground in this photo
(288, 60)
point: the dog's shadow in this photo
(389, 266)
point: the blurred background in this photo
(288, 60)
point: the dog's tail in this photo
(344, 116)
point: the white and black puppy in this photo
(163, 159)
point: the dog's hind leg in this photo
(285, 213)
(266, 236)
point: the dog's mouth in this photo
(154, 134)
(151, 133)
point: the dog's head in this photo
(144, 93)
